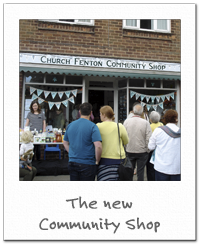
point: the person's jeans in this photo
(141, 159)
(36, 152)
(166, 177)
(150, 169)
(82, 172)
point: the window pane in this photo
(84, 20)
(153, 83)
(122, 114)
(136, 83)
(34, 78)
(162, 24)
(169, 84)
(101, 84)
(66, 20)
(74, 79)
(122, 83)
(54, 79)
(131, 22)
(145, 24)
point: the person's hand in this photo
(30, 168)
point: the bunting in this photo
(46, 93)
(32, 90)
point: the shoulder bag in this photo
(125, 169)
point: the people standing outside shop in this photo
(36, 120)
(110, 157)
(82, 141)
(139, 132)
(26, 170)
(155, 123)
(167, 144)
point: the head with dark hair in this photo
(35, 106)
(85, 109)
(107, 111)
(170, 116)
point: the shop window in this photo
(148, 25)
(70, 21)
(101, 84)
(136, 83)
(74, 79)
(55, 79)
(122, 83)
(34, 77)
(122, 111)
(169, 84)
(153, 83)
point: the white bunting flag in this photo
(65, 103)
(162, 97)
(40, 100)
(132, 93)
(39, 91)
(172, 95)
(158, 98)
(148, 107)
(161, 105)
(168, 97)
(67, 93)
(137, 96)
(154, 107)
(147, 98)
(60, 94)
(34, 97)
(46, 93)
(142, 96)
(32, 90)
(51, 104)
(53, 94)
(152, 98)
(74, 92)
(71, 99)
(58, 105)
(142, 103)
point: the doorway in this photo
(99, 98)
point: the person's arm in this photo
(152, 141)
(98, 150)
(66, 145)
(123, 134)
(27, 122)
(44, 125)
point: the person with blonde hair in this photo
(110, 157)
(26, 154)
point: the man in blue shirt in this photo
(82, 141)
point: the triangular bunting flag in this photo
(32, 90)
(60, 94)
(58, 105)
(152, 98)
(67, 93)
(51, 104)
(46, 93)
(161, 105)
(162, 97)
(142, 103)
(71, 99)
(142, 96)
(137, 96)
(147, 98)
(132, 93)
(148, 107)
(65, 103)
(53, 94)
(74, 92)
(34, 97)
(168, 97)
(154, 107)
(40, 100)
(158, 98)
(39, 91)
(172, 95)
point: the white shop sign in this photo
(98, 62)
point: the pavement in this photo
(67, 177)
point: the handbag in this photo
(125, 169)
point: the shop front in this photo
(62, 83)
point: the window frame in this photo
(155, 29)
(76, 22)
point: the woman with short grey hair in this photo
(154, 120)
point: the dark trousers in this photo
(166, 177)
(141, 159)
(28, 175)
(150, 169)
(36, 152)
(82, 172)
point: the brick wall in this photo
(106, 39)
(20, 96)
